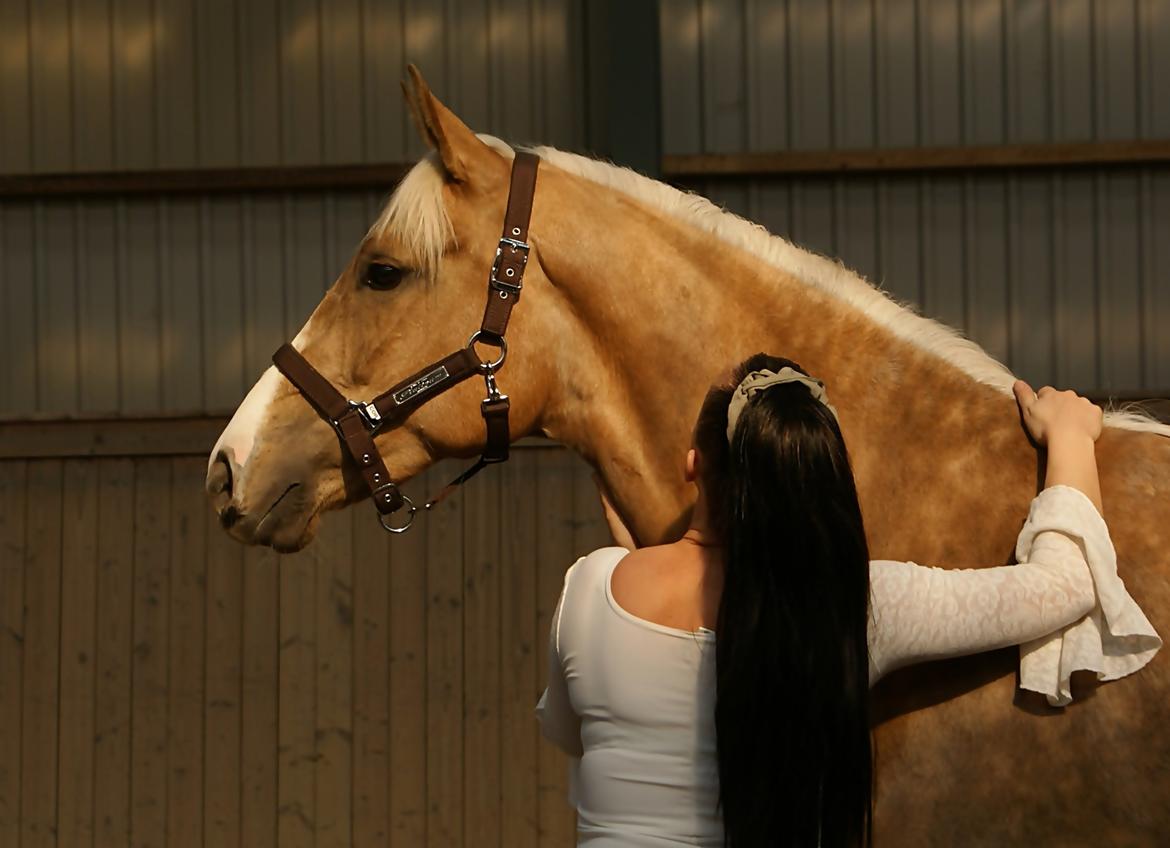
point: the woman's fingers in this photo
(1025, 397)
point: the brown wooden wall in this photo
(162, 685)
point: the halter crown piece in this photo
(756, 381)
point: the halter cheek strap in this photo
(357, 422)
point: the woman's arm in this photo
(922, 614)
(928, 613)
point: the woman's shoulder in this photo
(593, 566)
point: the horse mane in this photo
(418, 217)
(416, 214)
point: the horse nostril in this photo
(219, 475)
(229, 517)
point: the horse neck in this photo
(655, 310)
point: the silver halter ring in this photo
(411, 510)
(502, 344)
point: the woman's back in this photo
(644, 693)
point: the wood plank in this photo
(149, 696)
(482, 791)
(522, 649)
(408, 680)
(203, 181)
(333, 553)
(444, 531)
(42, 587)
(188, 528)
(59, 438)
(115, 591)
(222, 785)
(679, 166)
(259, 707)
(13, 505)
(371, 699)
(79, 553)
(675, 166)
(555, 552)
(296, 810)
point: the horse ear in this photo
(461, 152)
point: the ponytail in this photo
(792, 684)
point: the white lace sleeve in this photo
(921, 613)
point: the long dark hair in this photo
(792, 677)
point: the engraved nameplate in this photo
(426, 381)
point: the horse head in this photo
(413, 291)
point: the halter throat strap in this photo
(357, 422)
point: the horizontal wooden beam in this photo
(129, 437)
(195, 435)
(206, 181)
(682, 167)
(677, 167)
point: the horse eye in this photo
(382, 277)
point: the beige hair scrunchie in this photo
(757, 381)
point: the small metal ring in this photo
(411, 510)
(487, 367)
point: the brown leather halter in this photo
(357, 422)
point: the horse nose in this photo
(221, 474)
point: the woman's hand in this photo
(1067, 425)
(617, 528)
(1053, 415)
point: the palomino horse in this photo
(636, 297)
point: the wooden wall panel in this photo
(13, 507)
(166, 686)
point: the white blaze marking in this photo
(240, 433)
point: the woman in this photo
(761, 736)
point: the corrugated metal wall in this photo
(1064, 275)
(91, 85)
(174, 305)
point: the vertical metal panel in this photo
(51, 61)
(259, 100)
(135, 104)
(181, 109)
(15, 91)
(93, 132)
(138, 84)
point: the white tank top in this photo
(635, 700)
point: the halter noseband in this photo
(357, 422)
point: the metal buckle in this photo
(368, 413)
(503, 285)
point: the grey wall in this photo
(1065, 275)
(94, 85)
(139, 306)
